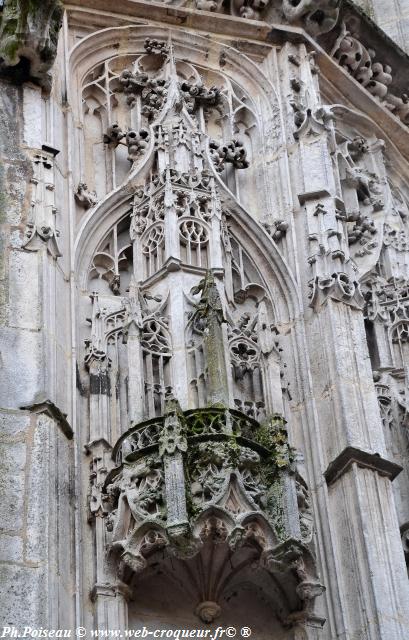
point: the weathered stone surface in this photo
(24, 313)
(205, 286)
(28, 39)
(13, 424)
(23, 596)
(12, 485)
(21, 376)
(11, 548)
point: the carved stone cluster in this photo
(375, 76)
(316, 16)
(152, 91)
(232, 153)
(196, 95)
(135, 141)
(249, 9)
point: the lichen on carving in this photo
(28, 39)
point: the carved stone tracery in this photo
(180, 311)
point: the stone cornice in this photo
(263, 25)
(52, 411)
(384, 78)
(351, 455)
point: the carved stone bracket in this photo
(50, 409)
(338, 286)
(84, 197)
(209, 477)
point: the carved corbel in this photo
(294, 556)
(310, 122)
(84, 197)
(338, 286)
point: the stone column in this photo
(136, 399)
(172, 447)
(172, 246)
(111, 606)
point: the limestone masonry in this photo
(204, 286)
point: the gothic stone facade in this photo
(205, 318)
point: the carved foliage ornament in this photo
(376, 77)
(316, 16)
(135, 141)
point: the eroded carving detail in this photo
(376, 77)
(41, 223)
(318, 16)
(84, 197)
(135, 141)
(28, 39)
(233, 153)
